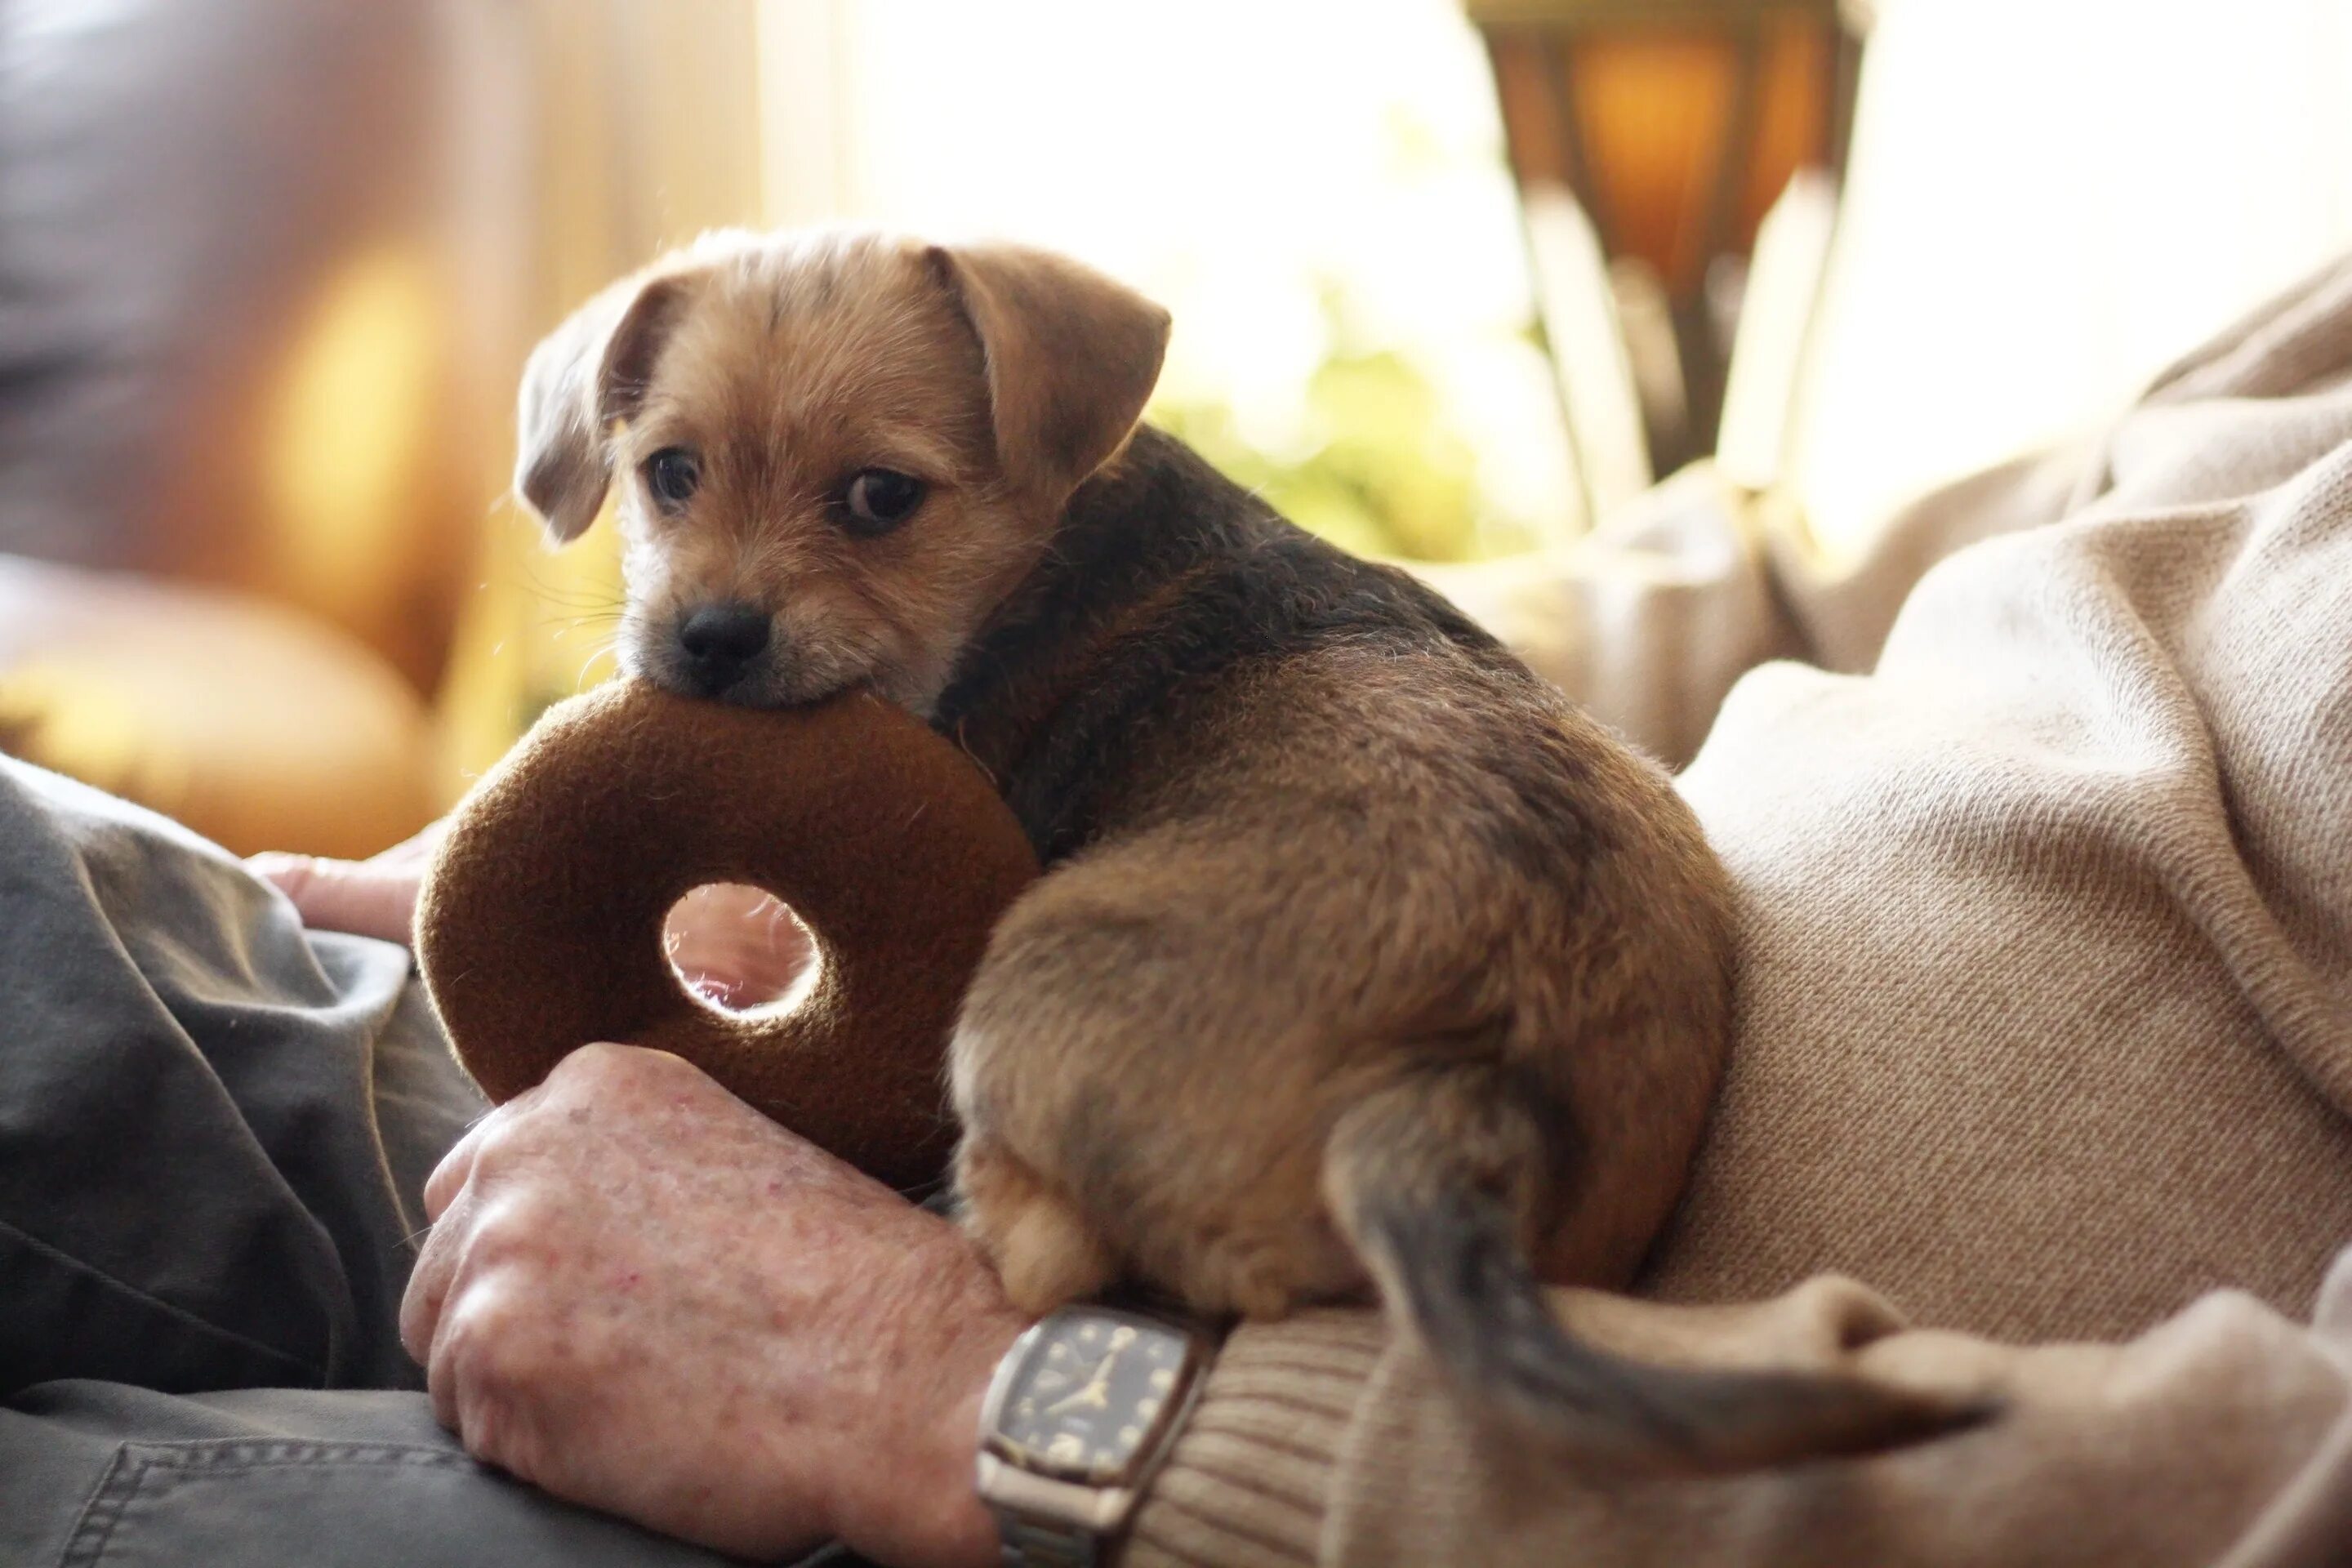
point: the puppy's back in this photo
(1366, 958)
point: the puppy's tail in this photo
(1428, 1179)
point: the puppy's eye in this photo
(880, 499)
(672, 475)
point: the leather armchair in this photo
(249, 419)
(257, 726)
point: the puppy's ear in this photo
(1072, 357)
(585, 374)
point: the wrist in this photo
(967, 1530)
(911, 1502)
(1079, 1418)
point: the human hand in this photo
(735, 944)
(375, 897)
(644, 1297)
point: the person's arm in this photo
(644, 1297)
(2223, 1436)
(1652, 618)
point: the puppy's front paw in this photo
(1265, 1276)
(1043, 1248)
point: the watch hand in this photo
(1096, 1392)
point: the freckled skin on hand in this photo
(745, 1321)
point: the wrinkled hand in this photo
(644, 1297)
(735, 944)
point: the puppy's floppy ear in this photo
(1072, 357)
(588, 373)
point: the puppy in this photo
(1362, 958)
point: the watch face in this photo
(1087, 1397)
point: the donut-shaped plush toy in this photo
(539, 925)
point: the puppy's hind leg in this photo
(1044, 1248)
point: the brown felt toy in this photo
(539, 926)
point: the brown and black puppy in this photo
(1362, 958)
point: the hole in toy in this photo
(738, 949)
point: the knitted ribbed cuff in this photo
(1245, 1487)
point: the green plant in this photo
(1381, 471)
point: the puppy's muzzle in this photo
(719, 643)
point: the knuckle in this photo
(593, 1072)
(603, 1068)
(495, 1147)
(598, 1058)
(516, 1135)
(665, 1070)
(505, 1232)
(493, 1347)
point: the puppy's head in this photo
(838, 451)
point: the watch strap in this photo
(1028, 1543)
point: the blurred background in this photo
(1449, 284)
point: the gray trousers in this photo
(213, 1130)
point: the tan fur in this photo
(1110, 1126)
(1314, 916)
(1167, 1030)
(892, 347)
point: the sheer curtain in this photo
(2049, 200)
(1289, 176)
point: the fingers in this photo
(457, 1167)
(736, 945)
(450, 1202)
(375, 897)
(362, 897)
(506, 1204)
(429, 1283)
(453, 1195)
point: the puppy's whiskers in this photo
(607, 650)
(564, 626)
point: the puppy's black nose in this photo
(720, 640)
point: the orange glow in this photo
(346, 428)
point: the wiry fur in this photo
(1363, 959)
(841, 350)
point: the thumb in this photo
(363, 898)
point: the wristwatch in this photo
(1083, 1408)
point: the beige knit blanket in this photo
(2046, 1021)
